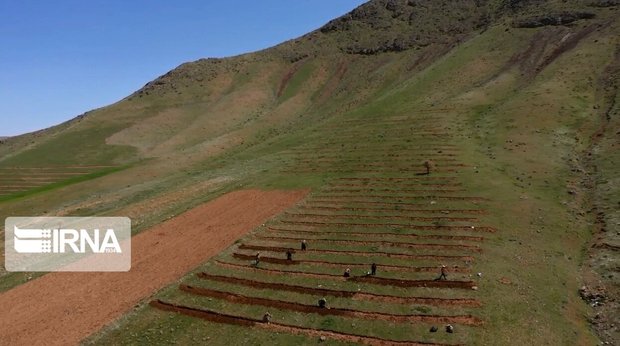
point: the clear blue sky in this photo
(59, 59)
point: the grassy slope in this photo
(523, 161)
(540, 304)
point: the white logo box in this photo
(73, 244)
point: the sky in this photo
(59, 59)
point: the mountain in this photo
(527, 88)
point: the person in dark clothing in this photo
(289, 255)
(304, 245)
(267, 317)
(322, 303)
(347, 273)
(373, 269)
(443, 275)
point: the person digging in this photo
(267, 317)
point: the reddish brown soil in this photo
(287, 77)
(332, 311)
(282, 328)
(345, 294)
(63, 308)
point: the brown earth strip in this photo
(331, 311)
(364, 190)
(357, 201)
(356, 295)
(408, 226)
(375, 160)
(402, 217)
(350, 170)
(415, 283)
(328, 147)
(341, 264)
(456, 247)
(424, 178)
(216, 317)
(359, 253)
(431, 236)
(281, 272)
(53, 167)
(74, 305)
(310, 206)
(346, 185)
(448, 198)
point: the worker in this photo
(257, 259)
(267, 317)
(373, 269)
(449, 328)
(347, 272)
(304, 245)
(322, 303)
(289, 255)
(443, 275)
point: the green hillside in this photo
(516, 102)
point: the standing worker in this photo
(257, 259)
(289, 255)
(443, 275)
(304, 245)
(373, 268)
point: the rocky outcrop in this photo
(554, 19)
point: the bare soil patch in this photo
(63, 308)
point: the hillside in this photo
(516, 101)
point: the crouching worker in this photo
(267, 317)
